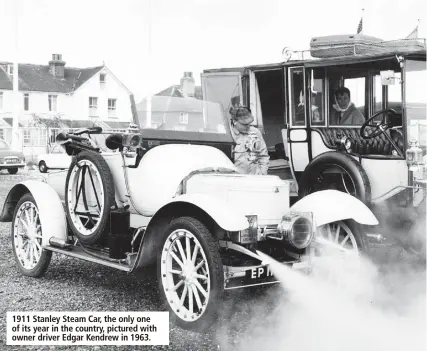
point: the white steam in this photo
(345, 304)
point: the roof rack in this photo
(354, 45)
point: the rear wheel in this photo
(12, 170)
(338, 171)
(31, 258)
(42, 167)
(190, 273)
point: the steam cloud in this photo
(347, 303)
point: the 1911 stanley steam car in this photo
(173, 198)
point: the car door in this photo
(295, 134)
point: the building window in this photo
(26, 102)
(1, 100)
(27, 137)
(41, 137)
(2, 134)
(102, 78)
(183, 118)
(10, 70)
(35, 136)
(93, 106)
(52, 102)
(112, 105)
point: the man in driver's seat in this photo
(344, 111)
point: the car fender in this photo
(51, 210)
(330, 206)
(227, 217)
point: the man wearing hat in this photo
(250, 153)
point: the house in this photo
(57, 96)
(178, 106)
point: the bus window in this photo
(297, 96)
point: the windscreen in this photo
(185, 114)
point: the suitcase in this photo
(342, 45)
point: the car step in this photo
(78, 252)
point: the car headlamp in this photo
(132, 140)
(297, 230)
(414, 154)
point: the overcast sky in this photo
(188, 35)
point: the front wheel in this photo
(345, 236)
(31, 258)
(12, 170)
(190, 273)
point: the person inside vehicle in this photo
(250, 153)
(344, 111)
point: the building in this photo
(178, 106)
(56, 96)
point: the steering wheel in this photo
(377, 127)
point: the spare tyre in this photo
(336, 170)
(89, 197)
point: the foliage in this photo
(53, 121)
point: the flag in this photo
(360, 26)
(413, 34)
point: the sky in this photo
(187, 35)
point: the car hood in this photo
(8, 152)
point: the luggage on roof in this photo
(357, 44)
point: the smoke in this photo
(346, 303)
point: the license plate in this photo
(258, 273)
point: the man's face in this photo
(343, 100)
(242, 128)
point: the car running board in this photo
(78, 252)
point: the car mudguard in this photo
(51, 211)
(330, 206)
(225, 216)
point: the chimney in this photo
(188, 85)
(56, 66)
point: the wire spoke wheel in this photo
(184, 270)
(30, 256)
(27, 235)
(190, 273)
(337, 237)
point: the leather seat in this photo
(379, 145)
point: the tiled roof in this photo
(166, 103)
(176, 90)
(37, 78)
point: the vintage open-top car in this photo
(380, 159)
(173, 197)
